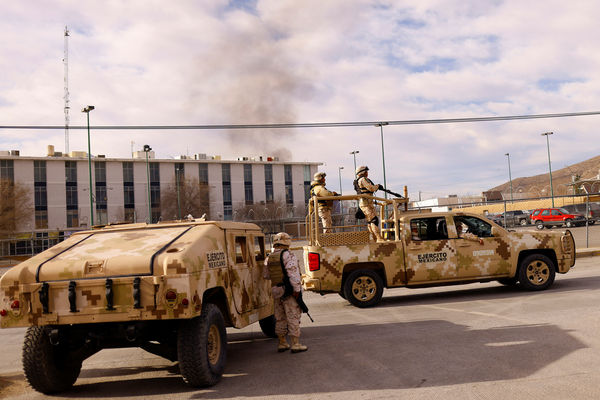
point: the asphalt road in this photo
(477, 341)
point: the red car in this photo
(549, 217)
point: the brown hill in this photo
(539, 185)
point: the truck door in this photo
(474, 258)
(430, 255)
(240, 271)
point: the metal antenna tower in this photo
(66, 64)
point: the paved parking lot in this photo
(477, 341)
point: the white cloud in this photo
(145, 63)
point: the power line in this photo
(309, 124)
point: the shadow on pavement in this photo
(364, 357)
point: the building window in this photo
(72, 219)
(269, 183)
(101, 217)
(72, 198)
(128, 193)
(203, 173)
(289, 191)
(39, 171)
(41, 219)
(71, 172)
(101, 193)
(180, 172)
(307, 179)
(248, 192)
(7, 171)
(100, 171)
(155, 191)
(40, 198)
(226, 179)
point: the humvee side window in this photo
(240, 249)
(433, 228)
(259, 248)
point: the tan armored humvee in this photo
(425, 249)
(168, 288)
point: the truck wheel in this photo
(569, 223)
(591, 222)
(267, 326)
(202, 347)
(363, 288)
(539, 225)
(48, 368)
(536, 272)
(523, 222)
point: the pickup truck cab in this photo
(425, 249)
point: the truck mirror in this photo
(495, 231)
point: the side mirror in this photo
(495, 231)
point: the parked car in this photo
(549, 217)
(513, 218)
(593, 214)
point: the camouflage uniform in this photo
(466, 235)
(286, 309)
(366, 186)
(317, 188)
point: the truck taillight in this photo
(3, 313)
(15, 305)
(314, 261)
(171, 295)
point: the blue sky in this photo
(280, 61)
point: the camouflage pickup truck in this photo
(425, 249)
(170, 289)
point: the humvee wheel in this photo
(267, 326)
(48, 368)
(202, 347)
(536, 272)
(363, 288)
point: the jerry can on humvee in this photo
(170, 289)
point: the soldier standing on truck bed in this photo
(363, 185)
(317, 188)
(286, 287)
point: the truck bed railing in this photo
(389, 212)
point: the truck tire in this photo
(202, 347)
(536, 272)
(363, 288)
(539, 225)
(523, 222)
(267, 326)
(48, 368)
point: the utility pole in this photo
(66, 96)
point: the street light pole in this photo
(341, 201)
(549, 164)
(87, 111)
(380, 125)
(354, 153)
(178, 196)
(510, 177)
(147, 149)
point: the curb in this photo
(587, 253)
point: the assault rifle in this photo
(390, 192)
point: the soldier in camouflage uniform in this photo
(287, 311)
(465, 235)
(365, 186)
(317, 188)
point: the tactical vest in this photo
(362, 190)
(312, 192)
(274, 265)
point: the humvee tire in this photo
(47, 367)
(363, 288)
(536, 272)
(202, 347)
(267, 326)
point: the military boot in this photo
(283, 344)
(296, 346)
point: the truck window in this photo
(433, 228)
(259, 248)
(240, 250)
(475, 226)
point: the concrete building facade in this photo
(59, 186)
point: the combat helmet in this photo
(319, 176)
(282, 239)
(360, 171)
